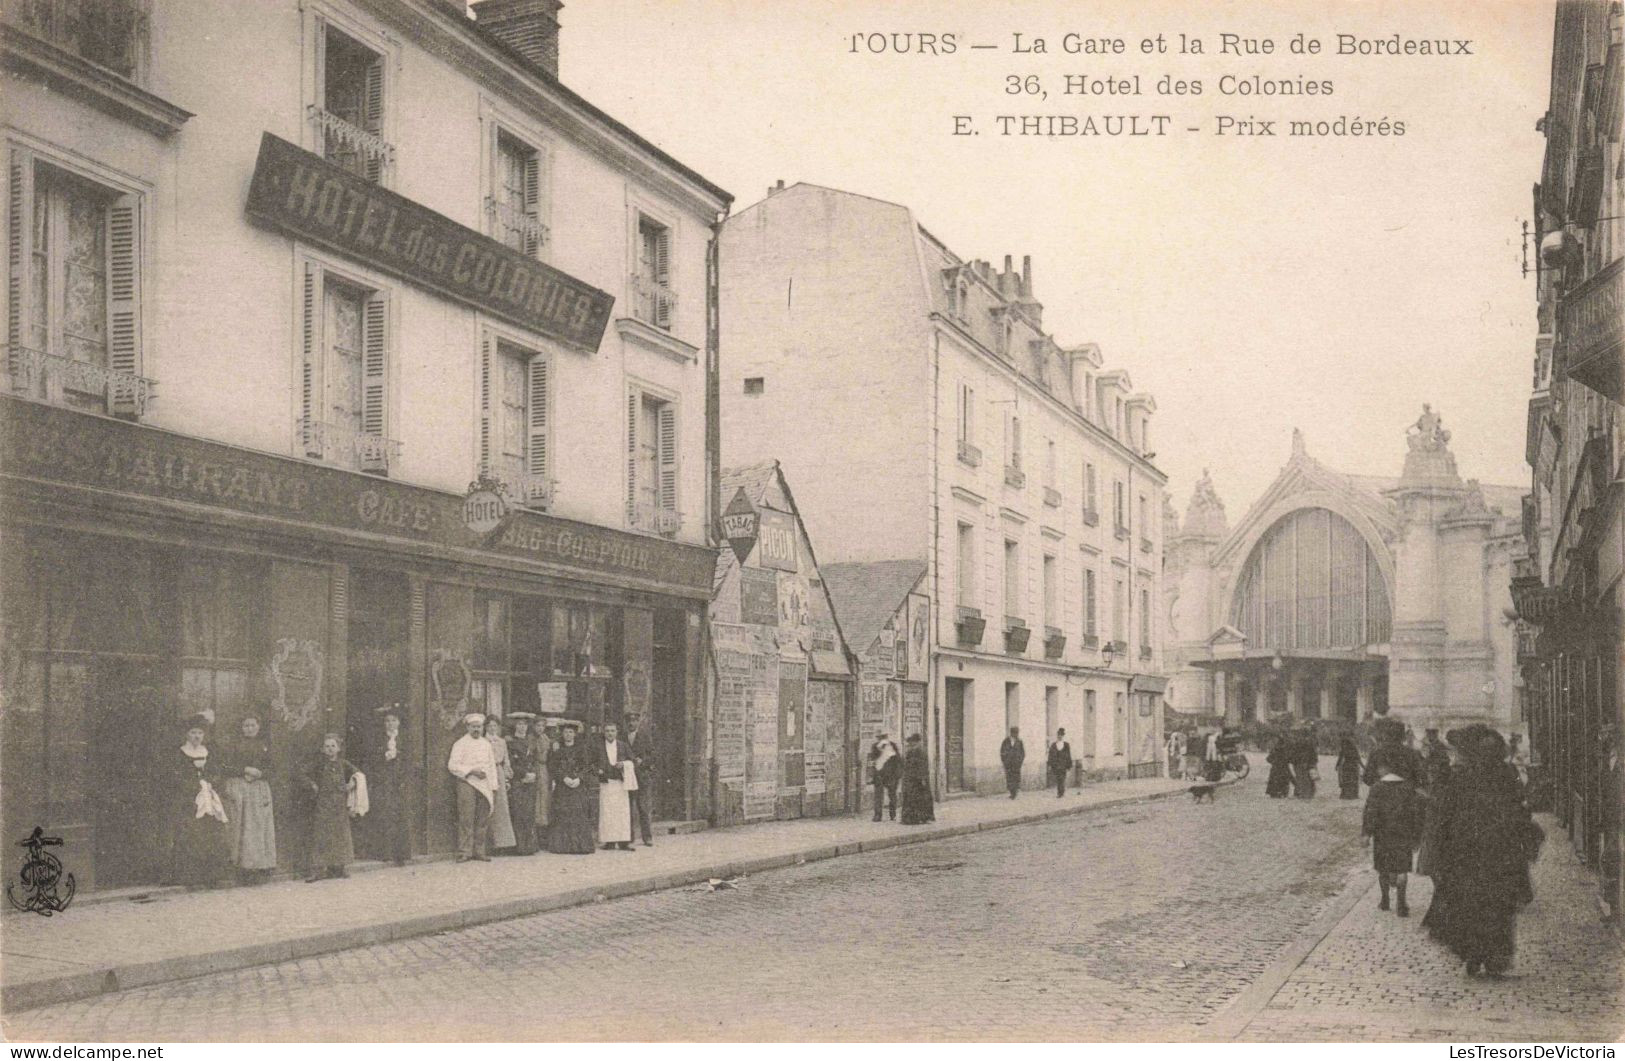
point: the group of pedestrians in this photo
(1294, 762)
(1454, 811)
(911, 769)
(1058, 761)
(518, 791)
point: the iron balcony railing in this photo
(348, 145)
(509, 218)
(658, 519)
(109, 33)
(52, 378)
(346, 446)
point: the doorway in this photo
(134, 747)
(954, 733)
(380, 611)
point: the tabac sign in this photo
(740, 525)
(306, 196)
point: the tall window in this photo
(1119, 506)
(350, 117)
(1089, 606)
(73, 309)
(1119, 724)
(1012, 441)
(1050, 592)
(1049, 463)
(516, 200)
(1012, 705)
(651, 475)
(967, 566)
(1119, 620)
(653, 300)
(1145, 620)
(1052, 710)
(1145, 518)
(967, 413)
(345, 373)
(514, 420)
(1012, 578)
(1091, 494)
(1088, 744)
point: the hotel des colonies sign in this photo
(306, 196)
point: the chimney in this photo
(779, 187)
(530, 27)
(1027, 275)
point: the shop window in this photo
(515, 414)
(348, 118)
(344, 363)
(654, 300)
(73, 317)
(515, 203)
(651, 463)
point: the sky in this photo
(1250, 284)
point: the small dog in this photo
(1202, 790)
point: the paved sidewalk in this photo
(114, 946)
(1378, 978)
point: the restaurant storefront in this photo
(148, 576)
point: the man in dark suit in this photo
(1060, 762)
(640, 743)
(1012, 753)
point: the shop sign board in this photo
(484, 509)
(60, 446)
(758, 596)
(740, 525)
(552, 698)
(304, 195)
(778, 541)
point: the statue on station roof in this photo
(1428, 459)
(1428, 432)
(1204, 516)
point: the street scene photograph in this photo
(722, 522)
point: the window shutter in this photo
(19, 247)
(374, 376)
(536, 463)
(632, 398)
(124, 396)
(310, 362)
(372, 115)
(663, 302)
(668, 456)
(533, 201)
(487, 366)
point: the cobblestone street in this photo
(1148, 921)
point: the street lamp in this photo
(1108, 652)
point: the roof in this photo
(755, 478)
(866, 595)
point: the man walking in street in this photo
(474, 765)
(885, 771)
(1012, 753)
(640, 744)
(1060, 762)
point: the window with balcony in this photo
(1012, 579)
(344, 363)
(515, 205)
(73, 322)
(965, 574)
(348, 115)
(654, 302)
(968, 451)
(110, 33)
(515, 414)
(651, 463)
(1091, 633)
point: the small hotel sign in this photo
(309, 197)
(484, 508)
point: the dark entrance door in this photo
(954, 735)
(134, 746)
(380, 616)
(668, 706)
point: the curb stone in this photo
(72, 987)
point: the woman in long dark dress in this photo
(522, 789)
(918, 805)
(199, 850)
(331, 848)
(251, 825)
(1280, 760)
(1483, 841)
(389, 790)
(575, 794)
(1348, 769)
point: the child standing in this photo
(1392, 825)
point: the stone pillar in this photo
(1328, 691)
(1261, 700)
(1294, 695)
(1363, 695)
(1222, 698)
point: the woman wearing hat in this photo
(1483, 842)
(917, 802)
(200, 844)
(389, 777)
(575, 794)
(522, 791)
(502, 838)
